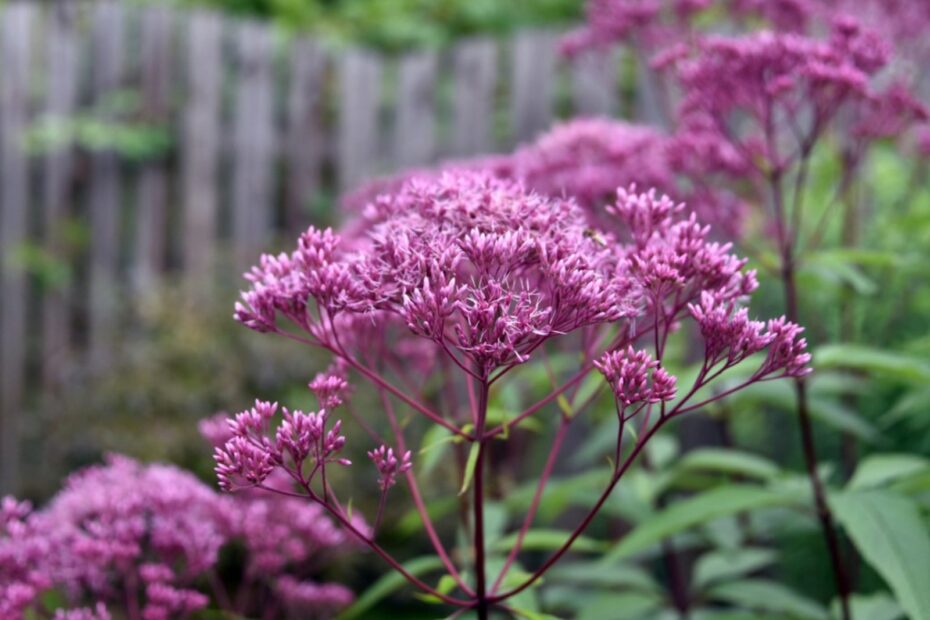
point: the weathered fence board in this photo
(415, 118)
(157, 45)
(650, 105)
(15, 51)
(62, 71)
(104, 194)
(475, 79)
(594, 82)
(253, 142)
(359, 109)
(200, 146)
(305, 134)
(532, 81)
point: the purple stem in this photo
(418, 499)
(482, 601)
(534, 505)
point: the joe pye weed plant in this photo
(451, 287)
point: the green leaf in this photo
(768, 596)
(889, 532)
(470, 467)
(718, 566)
(607, 605)
(387, 585)
(842, 418)
(532, 615)
(824, 408)
(718, 502)
(914, 402)
(730, 461)
(880, 469)
(550, 540)
(596, 574)
(878, 606)
(894, 365)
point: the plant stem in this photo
(482, 607)
(824, 515)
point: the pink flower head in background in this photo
(389, 466)
(589, 158)
(647, 23)
(116, 532)
(782, 85)
(155, 527)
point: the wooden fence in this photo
(256, 125)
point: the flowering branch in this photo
(484, 274)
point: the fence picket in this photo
(475, 80)
(105, 185)
(61, 101)
(15, 29)
(594, 82)
(650, 107)
(360, 106)
(200, 146)
(253, 142)
(415, 118)
(152, 201)
(532, 81)
(305, 132)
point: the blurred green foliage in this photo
(394, 25)
(115, 124)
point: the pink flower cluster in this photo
(649, 23)
(142, 537)
(127, 534)
(250, 456)
(389, 466)
(635, 377)
(453, 258)
(589, 158)
(786, 89)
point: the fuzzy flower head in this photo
(635, 377)
(649, 23)
(779, 86)
(730, 337)
(331, 387)
(482, 267)
(389, 465)
(589, 158)
(25, 566)
(155, 523)
(254, 452)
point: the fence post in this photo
(253, 143)
(475, 79)
(157, 43)
(532, 83)
(104, 194)
(594, 82)
(304, 134)
(200, 147)
(15, 31)
(61, 101)
(359, 107)
(415, 117)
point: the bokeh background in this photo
(150, 150)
